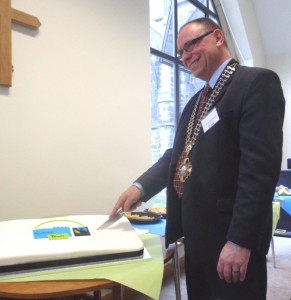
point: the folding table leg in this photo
(273, 252)
(177, 272)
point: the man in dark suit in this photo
(222, 171)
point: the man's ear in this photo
(219, 37)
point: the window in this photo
(171, 84)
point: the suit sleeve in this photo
(155, 178)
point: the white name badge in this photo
(211, 119)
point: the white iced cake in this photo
(38, 243)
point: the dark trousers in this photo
(203, 282)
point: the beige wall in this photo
(75, 125)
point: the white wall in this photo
(243, 23)
(75, 125)
(282, 65)
(247, 41)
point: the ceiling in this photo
(274, 21)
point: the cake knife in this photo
(109, 222)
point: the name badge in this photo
(211, 119)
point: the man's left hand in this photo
(233, 262)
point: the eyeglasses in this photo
(190, 44)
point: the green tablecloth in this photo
(276, 215)
(144, 276)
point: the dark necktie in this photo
(178, 184)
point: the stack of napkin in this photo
(283, 190)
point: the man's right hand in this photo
(129, 200)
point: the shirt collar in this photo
(217, 73)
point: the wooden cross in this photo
(7, 16)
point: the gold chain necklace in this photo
(185, 167)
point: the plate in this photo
(142, 217)
(158, 210)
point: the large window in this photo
(171, 84)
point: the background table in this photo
(153, 228)
(284, 222)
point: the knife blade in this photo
(109, 222)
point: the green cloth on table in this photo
(144, 276)
(276, 215)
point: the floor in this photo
(279, 278)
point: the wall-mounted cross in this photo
(7, 16)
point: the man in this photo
(222, 171)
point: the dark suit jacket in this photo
(235, 168)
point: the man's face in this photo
(202, 57)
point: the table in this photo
(285, 202)
(276, 215)
(58, 288)
(284, 223)
(68, 281)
